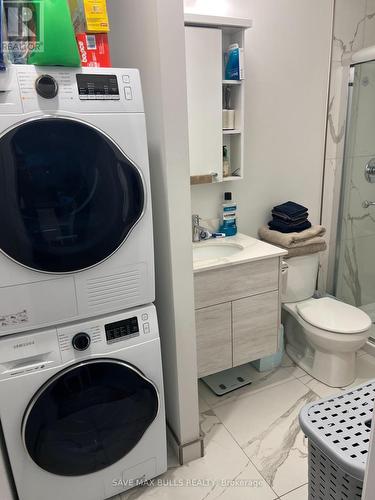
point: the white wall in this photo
(287, 69)
(149, 35)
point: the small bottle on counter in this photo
(229, 221)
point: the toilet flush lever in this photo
(367, 204)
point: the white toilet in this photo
(323, 335)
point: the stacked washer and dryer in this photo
(81, 389)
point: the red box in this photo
(94, 50)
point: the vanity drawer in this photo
(255, 327)
(234, 282)
(214, 339)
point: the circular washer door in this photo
(68, 195)
(88, 417)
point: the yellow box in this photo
(89, 16)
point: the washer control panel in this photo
(22, 353)
(120, 330)
(107, 333)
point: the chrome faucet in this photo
(199, 232)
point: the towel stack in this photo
(291, 230)
(289, 217)
(303, 243)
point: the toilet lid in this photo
(334, 316)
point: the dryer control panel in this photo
(98, 87)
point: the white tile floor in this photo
(254, 448)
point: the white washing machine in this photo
(76, 236)
(82, 407)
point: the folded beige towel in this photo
(311, 236)
(306, 250)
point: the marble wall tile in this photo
(360, 221)
(363, 125)
(331, 201)
(335, 144)
(336, 120)
(356, 274)
(323, 271)
(354, 28)
(348, 27)
(272, 439)
(369, 37)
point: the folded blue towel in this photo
(277, 225)
(290, 220)
(290, 209)
(287, 218)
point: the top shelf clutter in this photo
(210, 96)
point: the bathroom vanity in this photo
(237, 301)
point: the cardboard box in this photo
(89, 16)
(94, 50)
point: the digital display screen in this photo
(122, 329)
(98, 87)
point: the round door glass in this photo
(68, 195)
(89, 417)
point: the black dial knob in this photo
(46, 86)
(81, 341)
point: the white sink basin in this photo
(212, 251)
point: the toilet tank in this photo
(301, 278)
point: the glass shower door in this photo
(355, 255)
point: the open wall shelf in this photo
(207, 89)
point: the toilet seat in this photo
(333, 316)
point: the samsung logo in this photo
(24, 344)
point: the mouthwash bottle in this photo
(229, 224)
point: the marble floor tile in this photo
(322, 390)
(298, 494)
(203, 406)
(254, 448)
(365, 369)
(225, 471)
(261, 380)
(266, 426)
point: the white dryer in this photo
(82, 407)
(76, 234)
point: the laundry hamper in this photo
(338, 430)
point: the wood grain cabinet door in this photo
(255, 327)
(214, 339)
(235, 282)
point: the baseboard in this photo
(185, 452)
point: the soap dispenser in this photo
(229, 217)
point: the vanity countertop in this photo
(245, 249)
